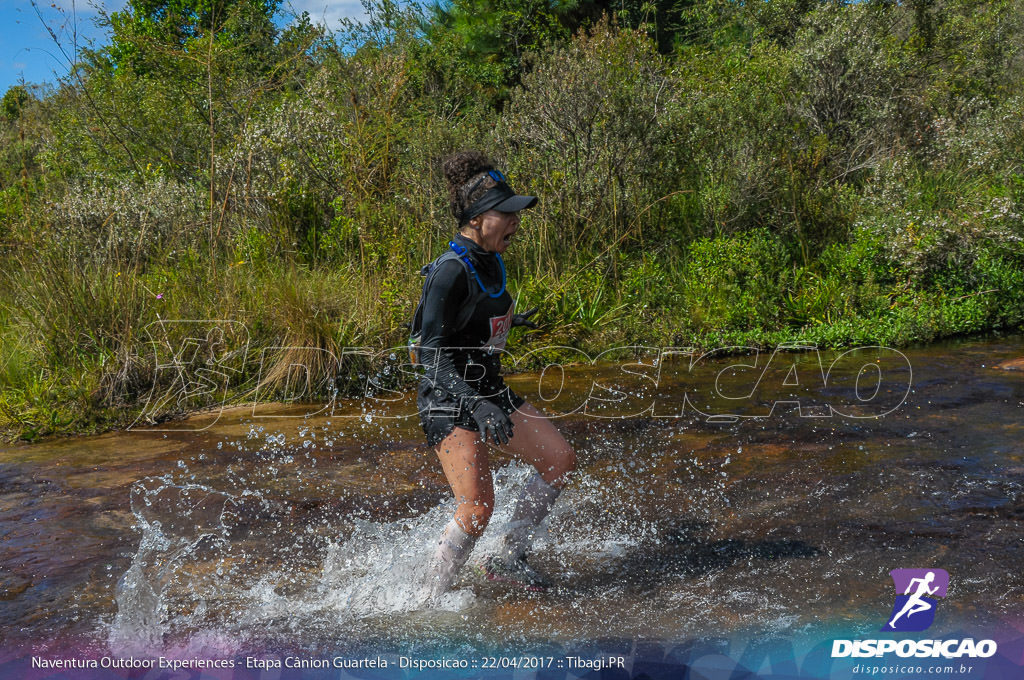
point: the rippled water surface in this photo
(712, 512)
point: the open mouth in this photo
(508, 238)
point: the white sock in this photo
(533, 506)
(452, 552)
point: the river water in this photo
(698, 508)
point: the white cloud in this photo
(328, 12)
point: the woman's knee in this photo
(473, 516)
(560, 466)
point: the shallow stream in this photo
(304, 527)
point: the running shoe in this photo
(516, 572)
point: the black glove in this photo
(492, 421)
(524, 319)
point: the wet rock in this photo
(12, 585)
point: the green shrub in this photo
(736, 282)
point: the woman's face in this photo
(493, 230)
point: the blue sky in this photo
(28, 51)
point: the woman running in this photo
(465, 316)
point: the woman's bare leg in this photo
(537, 442)
(467, 467)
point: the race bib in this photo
(500, 326)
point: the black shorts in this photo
(441, 412)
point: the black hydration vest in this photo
(476, 294)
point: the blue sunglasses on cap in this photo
(496, 175)
(500, 197)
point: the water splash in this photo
(201, 578)
(175, 521)
(380, 568)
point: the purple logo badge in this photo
(916, 593)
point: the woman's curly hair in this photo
(461, 170)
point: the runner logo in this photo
(914, 609)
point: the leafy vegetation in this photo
(223, 193)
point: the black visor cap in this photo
(501, 198)
(516, 203)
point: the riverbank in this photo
(165, 396)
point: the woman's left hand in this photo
(524, 318)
